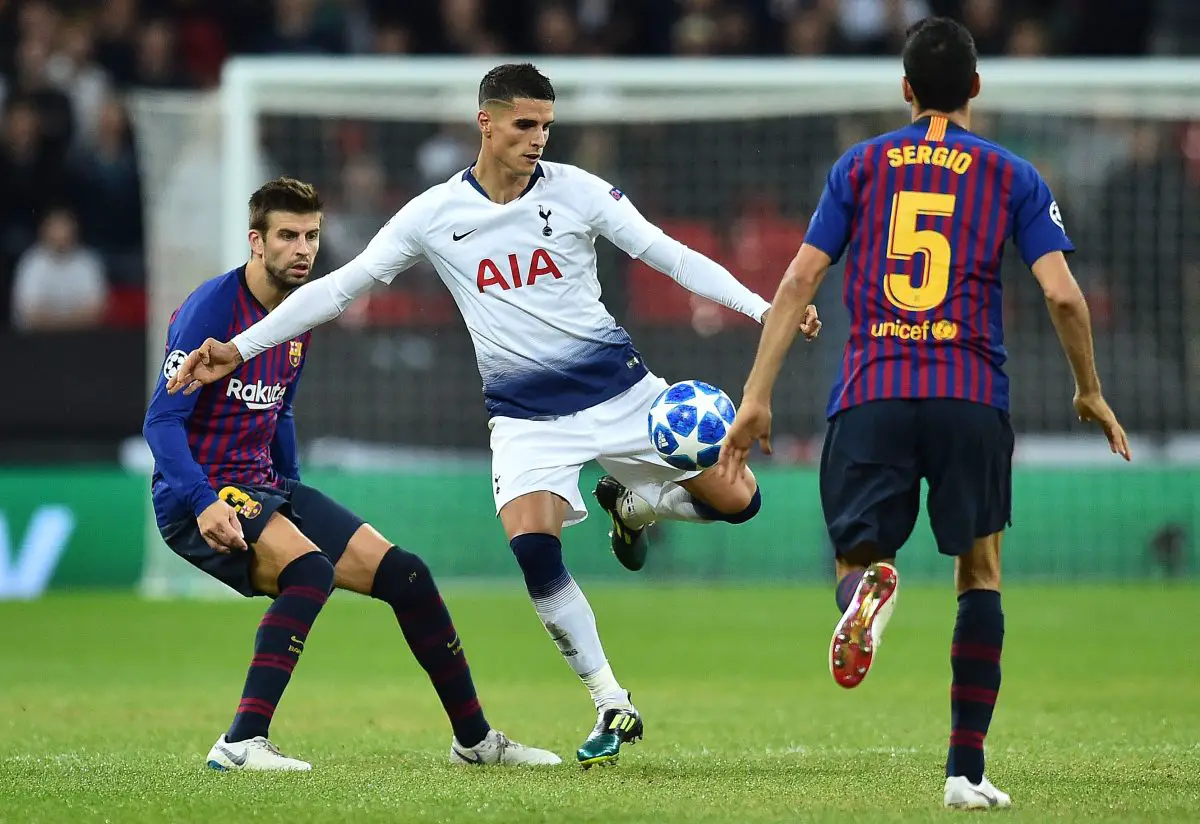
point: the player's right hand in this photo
(810, 327)
(1092, 407)
(221, 528)
(208, 364)
(752, 423)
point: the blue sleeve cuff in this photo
(832, 249)
(202, 499)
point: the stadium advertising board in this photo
(87, 529)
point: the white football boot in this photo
(253, 755)
(961, 794)
(496, 749)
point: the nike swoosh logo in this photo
(457, 237)
(238, 760)
(477, 759)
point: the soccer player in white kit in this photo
(512, 238)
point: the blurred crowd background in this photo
(73, 229)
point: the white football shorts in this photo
(547, 455)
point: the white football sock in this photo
(674, 504)
(677, 504)
(569, 619)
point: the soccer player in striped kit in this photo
(922, 215)
(228, 498)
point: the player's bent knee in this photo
(747, 512)
(732, 509)
(753, 507)
(402, 579)
(312, 570)
(279, 543)
(265, 574)
(717, 499)
(356, 569)
(407, 565)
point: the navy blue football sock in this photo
(304, 586)
(404, 583)
(846, 587)
(975, 664)
(540, 557)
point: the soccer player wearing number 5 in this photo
(922, 215)
(228, 499)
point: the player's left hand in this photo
(1092, 407)
(752, 423)
(811, 325)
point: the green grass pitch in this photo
(108, 705)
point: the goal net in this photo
(729, 157)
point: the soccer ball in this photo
(688, 422)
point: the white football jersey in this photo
(524, 277)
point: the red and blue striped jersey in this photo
(922, 215)
(238, 430)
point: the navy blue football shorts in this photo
(877, 453)
(322, 520)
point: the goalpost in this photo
(695, 142)
(605, 91)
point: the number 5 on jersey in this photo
(906, 240)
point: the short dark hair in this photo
(939, 62)
(513, 80)
(283, 194)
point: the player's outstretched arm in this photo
(395, 247)
(308, 307)
(788, 311)
(1072, 321)
(615, 217)
(705, 277)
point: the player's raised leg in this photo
(702, 499)
(871, 496)
(533, 522)
(286, 565)
(373, 566)
(641, 488)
